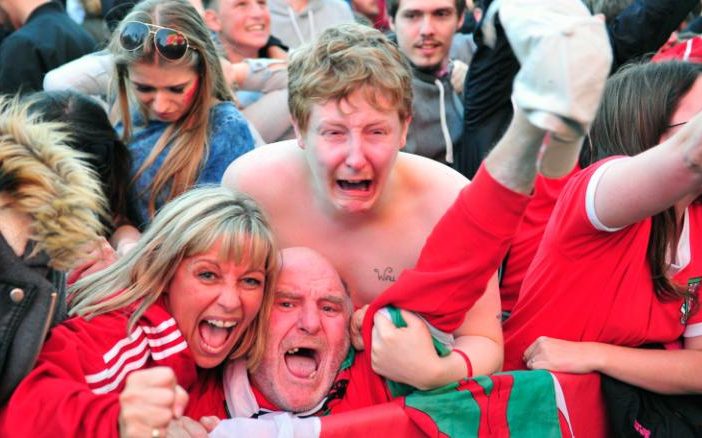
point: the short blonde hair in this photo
(342, 60)
(50, 182)
(189, 224)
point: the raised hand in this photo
(149, 401)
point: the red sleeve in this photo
(54, 399)
(463, 251)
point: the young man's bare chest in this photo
(369, 255)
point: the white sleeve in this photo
(693, 330)
(89, 74)
(274, 425)
(263, 78)
(590, 198)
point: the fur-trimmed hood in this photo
(50, 182)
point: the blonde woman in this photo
(187, 298)
(176, 112)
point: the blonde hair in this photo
(189, 224)
(189, 135)
(92, 7)
(342, 60)
(49, 181)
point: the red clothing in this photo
(461, 254)
(528, 237)
(73, 390)
(463, 251)
(689, 50)
(591, 285)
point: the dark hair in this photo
(393, 5)
(637, 105)
(609, 8)
(90, 131)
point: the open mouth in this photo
(302, 362)
(215, 333)
(360, 185)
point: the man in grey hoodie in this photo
(296, 22)
(424, 30)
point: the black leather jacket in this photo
(32, 299)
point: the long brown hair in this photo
(638, 103)
(189, 135)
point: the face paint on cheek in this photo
(191, 92)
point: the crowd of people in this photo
(330, 217)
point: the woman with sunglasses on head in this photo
(144, 329)
(620, 262)
(176, 113)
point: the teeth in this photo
(312, 374)
(293, 351)
(363, 184)
(221, 324)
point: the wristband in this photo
(469, 366)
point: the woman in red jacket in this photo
(187, 298)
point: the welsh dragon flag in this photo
(517, 404)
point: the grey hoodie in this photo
(296, 28)
(437, 124)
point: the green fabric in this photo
(350, 357)
(532, 410)
(401, 389)
(456, 413)
(486, 383)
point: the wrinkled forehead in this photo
(359, 107)
(305, 284)
(308, 274)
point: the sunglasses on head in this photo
(169, 43)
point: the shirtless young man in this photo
(344, 188)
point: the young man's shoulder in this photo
(266, 166)
(423, 174)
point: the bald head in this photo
(307, 336)
(309, 263)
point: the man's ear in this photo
(460, 20)
(298, 134)
(211, 18)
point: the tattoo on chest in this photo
(386, 274)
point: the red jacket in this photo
(74, 389)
